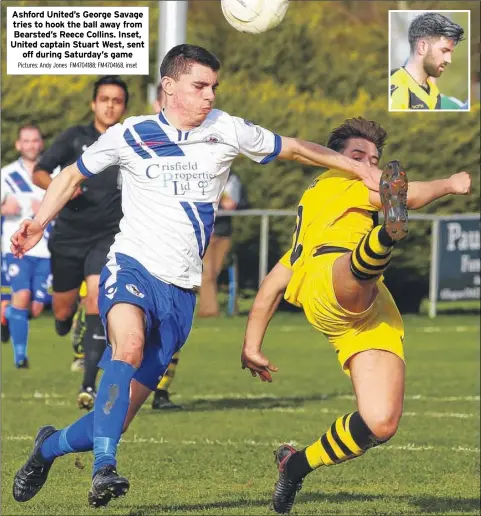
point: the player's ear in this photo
(17, 146)
(422, 46)
(168, 85)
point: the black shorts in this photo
(70, 267)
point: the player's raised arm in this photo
(265, 304)
(316, 155)
(262, 146)
(422, 193)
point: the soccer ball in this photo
(254, 16)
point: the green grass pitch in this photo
(216, 456)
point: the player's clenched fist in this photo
(27, 236)
(461, 183)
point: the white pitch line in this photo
(455, 415)
(445, 329)
(251, 442)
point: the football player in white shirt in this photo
(29, 278)
(174, 167)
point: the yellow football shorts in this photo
(83, 290)
(378, 327)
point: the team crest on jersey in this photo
(213, 138)
(134, 290)
(13, 270)
(111, 292)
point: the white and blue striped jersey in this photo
(171, 185)
(16, 181)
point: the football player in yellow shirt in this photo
(334, 271)
(432, 39)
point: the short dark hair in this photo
(111, 79)
(29, 125)
(433, 25)
(179, 60)
(357, 128)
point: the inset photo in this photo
(429, 60)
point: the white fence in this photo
(434, 219)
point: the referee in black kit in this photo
(85, 228)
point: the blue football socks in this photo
(110, 411)
(78, 437)
(18, 325)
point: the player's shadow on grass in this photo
(189, 508)
(420, 504)
(258, 403)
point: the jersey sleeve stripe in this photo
(275, 152)
(157, 140)
(135, 146)
(83, 169)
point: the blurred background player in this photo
(219, 247)
(432, 39)
(29, 277)
(233, 197)
(85, 227)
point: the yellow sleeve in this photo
(286, 259)
(399, 97)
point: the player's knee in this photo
(36, 310)
(21, 299)
(130, 350)
(383, 424)
(62, 312)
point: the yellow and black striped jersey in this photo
(406, 93)
(334, 211)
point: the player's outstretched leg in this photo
(31, 477)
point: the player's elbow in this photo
(412, 205)
(39, 177)
(73, 174)
(414, 202)
(275, 283)
(290, 148)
